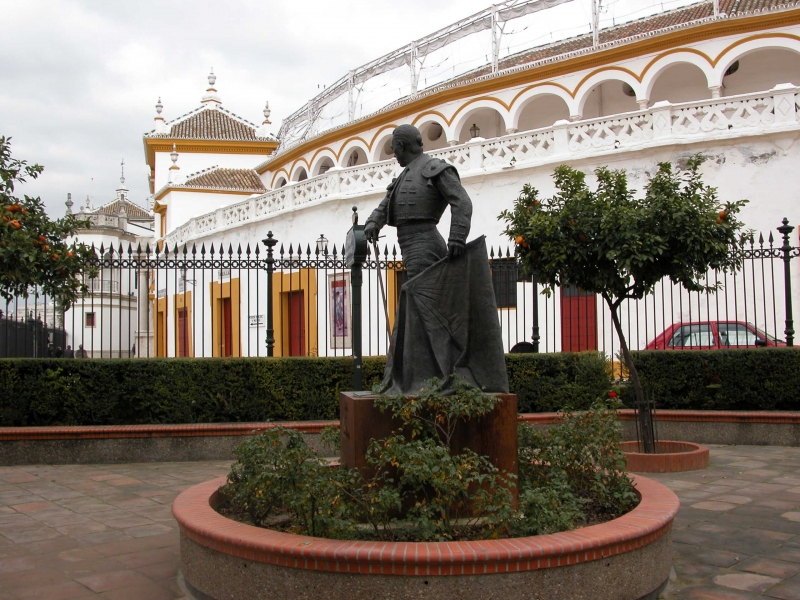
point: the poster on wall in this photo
(339, 306)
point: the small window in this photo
(736, 334)
(504, 280)
(692, 336)
(90, 319)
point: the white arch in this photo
(543, 90)
(665, 62)
(321, 157)
(726, 59)
(464, 116)
(582, 93)
(280, 182)
(434, 118)
(296, 171)
(377, 147)
(348, 148)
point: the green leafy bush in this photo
(553, 382)
(740, 379)
(573, 473)
(570, 475)
(419, 489)
(216, 390)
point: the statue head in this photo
(406, 144)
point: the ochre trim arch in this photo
(278, 174)
(296, 164)
(665, 60)
(518, 103)
(728, 56)
(315, 161)
(381, 130)
(473, 101)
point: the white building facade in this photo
(719, 79)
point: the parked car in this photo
(711, 335)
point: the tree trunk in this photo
(643, 412)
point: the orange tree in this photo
(615, 244)
(34, 250)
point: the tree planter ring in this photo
(670, 457)
(628, 558)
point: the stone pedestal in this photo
(494, 435)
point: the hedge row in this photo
(754, 379)
(208, 390)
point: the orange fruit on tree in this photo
(520, 240)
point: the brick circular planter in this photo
(628, 558)
(670, 457)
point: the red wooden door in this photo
(183, 333)
(227, 333)
(297, 324)
(578, 320)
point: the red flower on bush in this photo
(612, 394)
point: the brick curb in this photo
(79, 432)
(645, 524)
(85, 432)
(671, 457)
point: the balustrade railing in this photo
(745, 114)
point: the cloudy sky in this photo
(80, 78)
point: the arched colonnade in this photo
(681, 75)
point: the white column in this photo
(784, 98)
(561, 137)
(662, 119)
(476, 154)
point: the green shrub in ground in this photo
(740, 379)
(553, 382)
(570, 475)
(215, 390)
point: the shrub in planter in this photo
(574, 470)
(422, 491)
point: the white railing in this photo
(104, 286)
(663, 123)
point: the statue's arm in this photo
(379, 216)
(450, 187)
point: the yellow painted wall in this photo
(304, 280)
(219, 291)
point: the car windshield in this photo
(764, 334)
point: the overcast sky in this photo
(80, 78)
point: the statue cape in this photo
(447, 324)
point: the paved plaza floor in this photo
(106, 531)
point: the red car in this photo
(711, 335)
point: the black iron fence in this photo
(288, 299)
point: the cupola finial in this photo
(69, 204)
(212, 97)
(173, 175)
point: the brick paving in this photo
(93, 531)
(106, 531)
